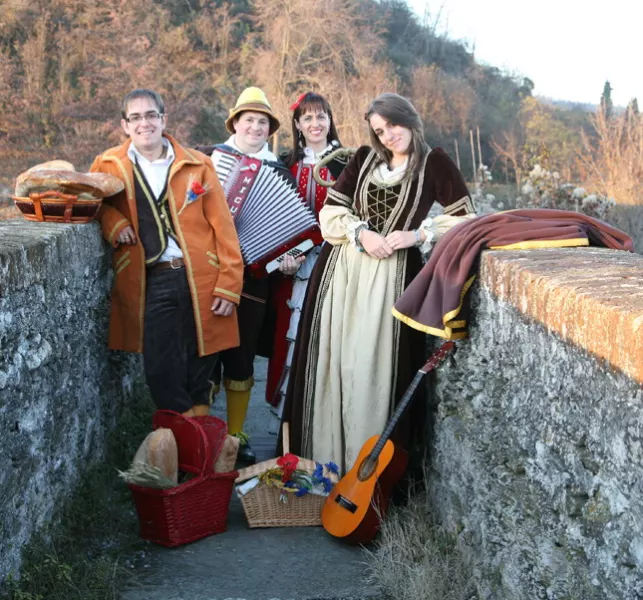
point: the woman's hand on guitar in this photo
(290, 265)
(374, 244)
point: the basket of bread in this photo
(182, 477)
(55, 192)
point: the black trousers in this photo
(177, 376)
(238, 363)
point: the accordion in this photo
(271, 219)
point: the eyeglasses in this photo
(151, 117)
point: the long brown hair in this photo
(310, 102)
(397, 110)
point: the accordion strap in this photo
(242, 184)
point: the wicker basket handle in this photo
(285, 438)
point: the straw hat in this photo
(252, 99)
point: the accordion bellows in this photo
(269, 214)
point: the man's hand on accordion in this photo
(290, 265)
(222, 307)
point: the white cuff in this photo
(427, 227)
(352, 232)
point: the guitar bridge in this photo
(346, 503)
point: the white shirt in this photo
(382, 174)
(263, 154)
(155, 173)
(312, 158)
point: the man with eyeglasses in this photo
(177, 264)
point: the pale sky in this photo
(568, 48)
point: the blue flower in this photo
(318, 473)
(290, 484)
(332, 468)
(301, 492)
(328, 486)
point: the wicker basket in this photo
(56, 207)
(196, 508)
(262, 505)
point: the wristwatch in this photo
(418, 239)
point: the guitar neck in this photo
(433, 361)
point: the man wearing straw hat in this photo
(251, 122)
(177, 262)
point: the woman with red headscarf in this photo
(314, 136)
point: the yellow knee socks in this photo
(237, 407)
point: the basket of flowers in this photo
(288, 491)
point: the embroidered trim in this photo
(123, 266)
(465, 203)
(353, 232)
(164, 232)
(312, 355)
(227, 293)
(129, 185)
(196, 308)
(122, 258)
(340, 198)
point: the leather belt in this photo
(175, 263)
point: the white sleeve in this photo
(338, 224)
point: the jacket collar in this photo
(182, 154)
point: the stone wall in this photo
(60, 388)
(538, 464)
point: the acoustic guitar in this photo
(356, 505)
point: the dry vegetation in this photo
(414, 558)
(613, 157)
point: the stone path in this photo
(290, 563)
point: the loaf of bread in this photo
(62, 165)
(228, 455)
(159, 450)
(40, 179)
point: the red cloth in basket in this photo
(196, 508)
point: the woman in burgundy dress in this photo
(314, 135)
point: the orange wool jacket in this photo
(206, 236)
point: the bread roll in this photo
(99, 185)
(228, 455)
(62, 165)
(159, 450)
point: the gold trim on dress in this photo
(465, 203)
(532, 244)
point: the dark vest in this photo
(154, 218)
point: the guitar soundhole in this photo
(367, 468)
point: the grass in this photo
(92, 551)
(414, 558)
